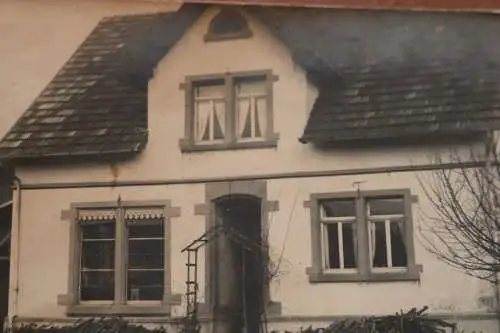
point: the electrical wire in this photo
(287, 231)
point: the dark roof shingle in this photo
(391, 74)
(97, 102)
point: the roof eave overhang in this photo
(424, 137)
(359, 5)
(112, 155)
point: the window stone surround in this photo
(318, 275)
(187, 143)
(119, 306)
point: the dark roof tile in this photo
(393, 74)
(97, 102)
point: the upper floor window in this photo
(120, 259)
(363, 237)
(229, 111)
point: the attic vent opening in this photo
(228, 24)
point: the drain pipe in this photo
(15, 249)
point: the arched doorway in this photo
(238, 270)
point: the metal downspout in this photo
(15, 249)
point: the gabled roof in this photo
(379, 74)
(97, 103)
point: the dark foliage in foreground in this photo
(93, 325)
(413, 321)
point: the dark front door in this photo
(239, 267)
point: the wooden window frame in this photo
(364, 273)
(119, 306)
(188, 144)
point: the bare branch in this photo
(460, 228)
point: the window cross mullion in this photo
(230, 110)
(388, 242)
(341, 245)
(120, 256)
(252, 116)
(211, 121)
(325, 247)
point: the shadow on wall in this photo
(4, 291)
(5, 224)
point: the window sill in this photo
(146, 309)
(114, 310)
(187, 147)
(412, 274)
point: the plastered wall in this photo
(45, 248)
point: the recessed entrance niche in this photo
(244, 208)
(238, 281)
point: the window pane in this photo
(338, 208)
(212, 88)
(145, 259)
(244, 118)
(209, 110)
(210, 120)
(136, 229)
(378, 244)
(260, 117)
(398, 248)
(97, 286)
(145, 285)
(333, 246)
(98, 230)
(97, 260)
(251, 102)
(97, 245)
(341, 247)
(98, 254)
(145, 253)
(203, 110)
(219, 121)
(386, 206)
(145, 244)
(251, 86)
(348, 233)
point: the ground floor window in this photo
(362, 236)
(120, 258)
(139, 256)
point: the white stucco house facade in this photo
(305, 131)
